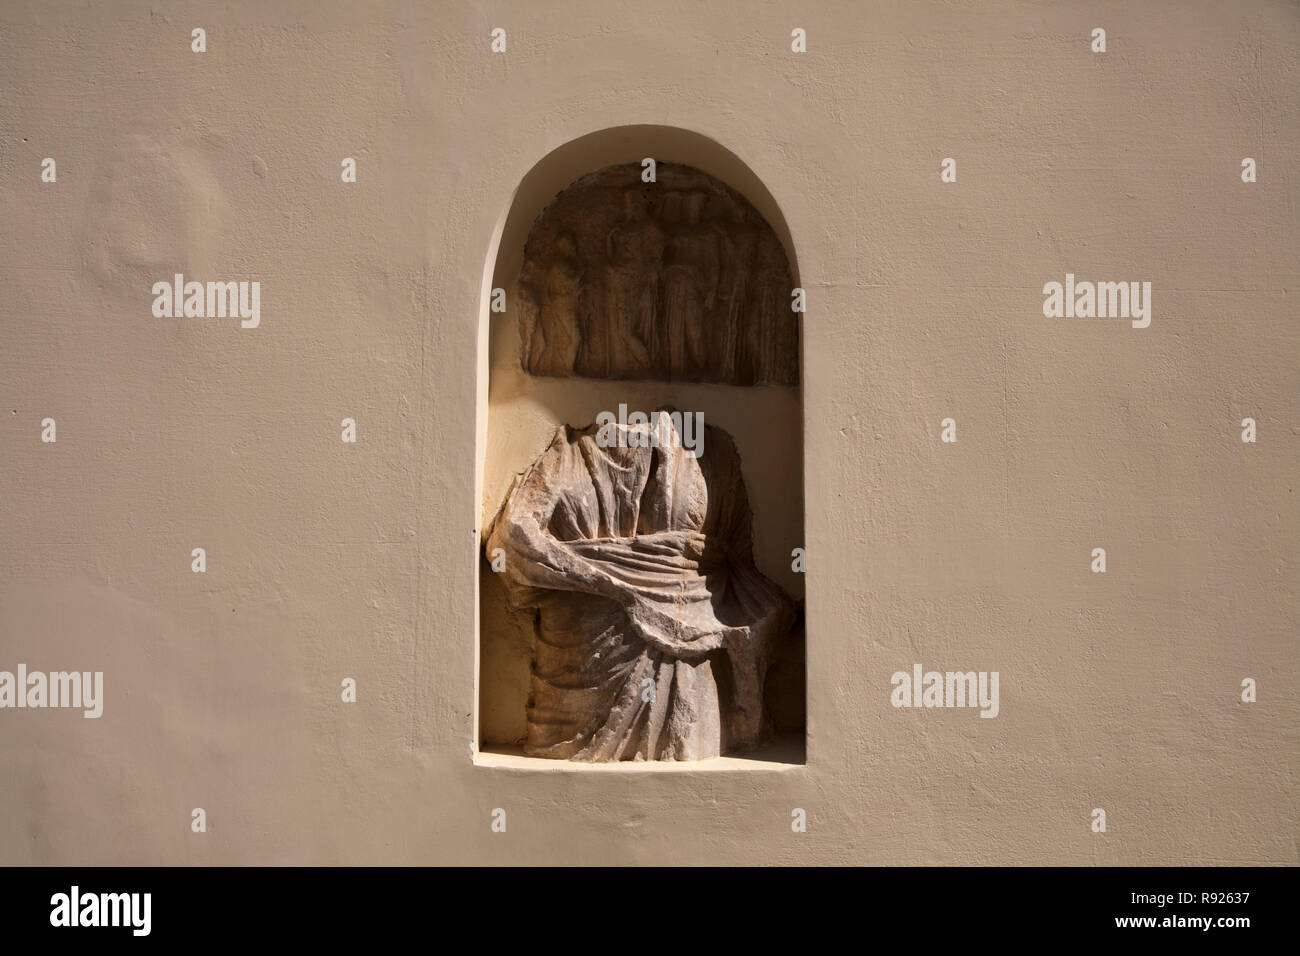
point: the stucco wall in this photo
(328, 560)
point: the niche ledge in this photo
(783, 753)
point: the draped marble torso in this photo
(653, 623)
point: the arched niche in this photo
(703, 194)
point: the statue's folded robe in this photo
(654, 623)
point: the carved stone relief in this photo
(679, 280)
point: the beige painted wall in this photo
(328, 560)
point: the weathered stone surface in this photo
(676, 280)
(655, 628)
